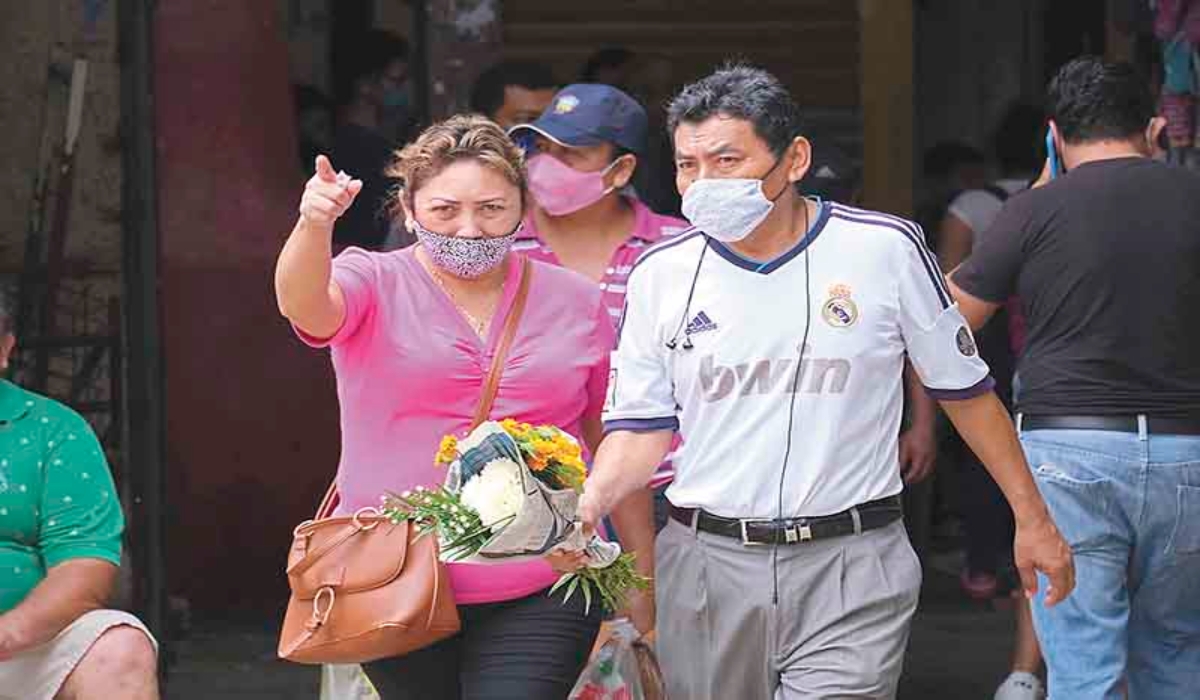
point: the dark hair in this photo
(741, 92)
(1091, 100)
(943, 157)
(487, 94)
(369, 58)
(610, 57)
(1017, 140)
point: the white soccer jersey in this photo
(875, 294)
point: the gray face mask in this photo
(468, 258)
(728, 209)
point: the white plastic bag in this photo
(623, 668)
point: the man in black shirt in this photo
(1106, 261)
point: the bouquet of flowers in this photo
(510, 494)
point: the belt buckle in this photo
(793, 531)
(746, 542)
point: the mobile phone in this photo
(1052, 154)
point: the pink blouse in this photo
(410, 369)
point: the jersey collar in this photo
(770, 266)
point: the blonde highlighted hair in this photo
(461, 137)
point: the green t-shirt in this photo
(57, 500)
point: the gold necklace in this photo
(477, 325)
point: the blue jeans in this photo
(1129, 505)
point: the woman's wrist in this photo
(312, 229)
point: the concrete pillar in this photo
(251, 422)
(886, 47)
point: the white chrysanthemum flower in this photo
(495, 493)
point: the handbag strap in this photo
(491, 384)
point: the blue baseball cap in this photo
(588, 114)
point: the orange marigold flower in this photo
(543, 447)
(537, 462)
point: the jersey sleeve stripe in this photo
(914, 233)
(931, 268)
(642, 425)
(980, 388)
(650, 252)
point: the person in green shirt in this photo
(60, 549)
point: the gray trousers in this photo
(839, 628)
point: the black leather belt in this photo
(1122, 424)
(753, 531)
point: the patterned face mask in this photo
(468, 258)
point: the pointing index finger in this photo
(325, 169)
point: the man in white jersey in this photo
(773, 337)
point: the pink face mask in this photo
(560, 189)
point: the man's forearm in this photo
(976, 311)
(922, 408)
(624, 464)
(69, 590)
(634, 520)
(987, 428)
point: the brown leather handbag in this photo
(365, 588)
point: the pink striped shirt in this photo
(648, 228)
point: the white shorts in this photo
(39, 673)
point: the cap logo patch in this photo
(566, 104)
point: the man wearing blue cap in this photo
(584, 150)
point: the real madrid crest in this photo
(839, 310)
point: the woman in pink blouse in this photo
(412, 334)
